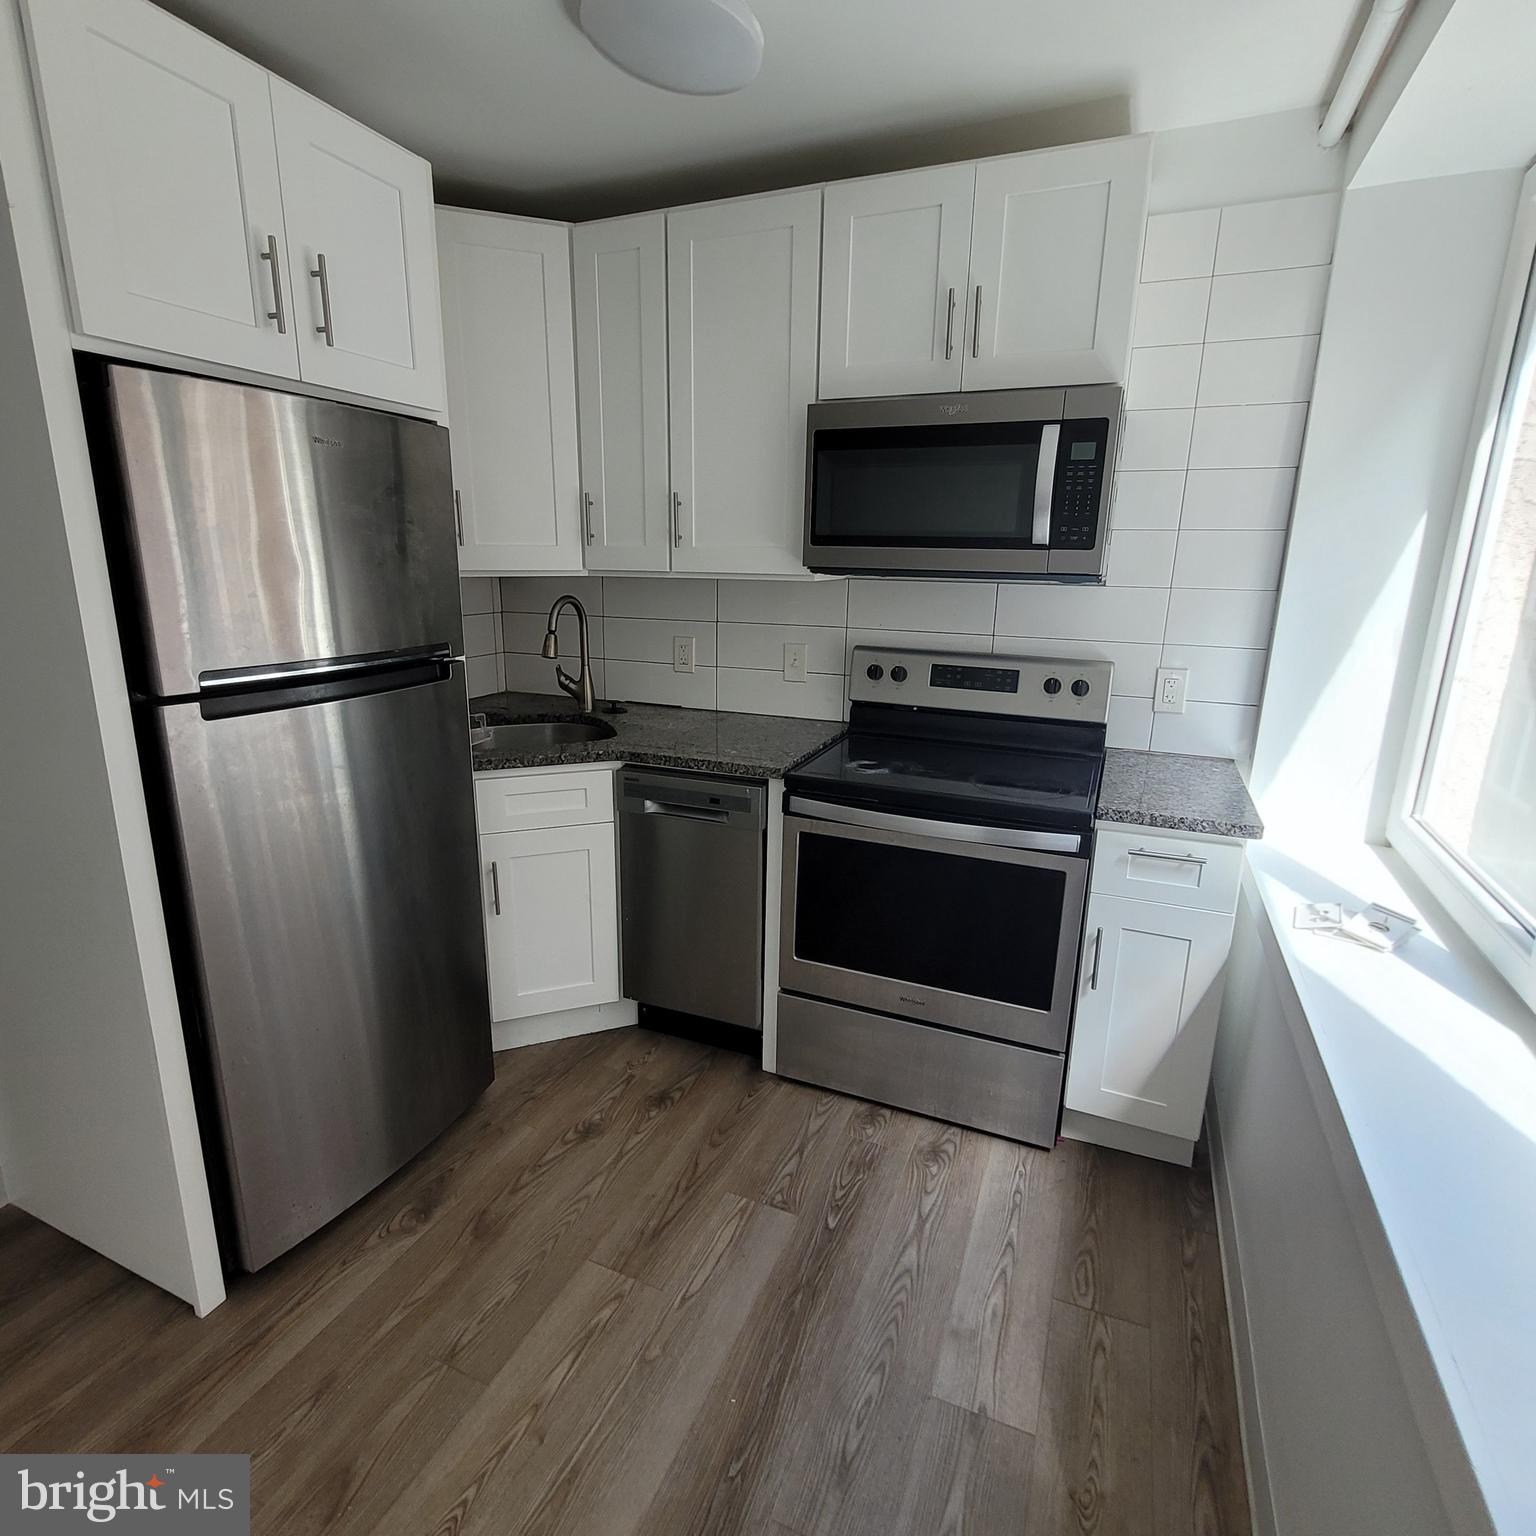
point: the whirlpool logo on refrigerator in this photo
(45, 1494)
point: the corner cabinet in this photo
(507, 331)
(1004, 274)
(196, 194)
(1156, 937)
(743, 284)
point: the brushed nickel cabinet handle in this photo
(677, 519)
(586, 514)
(458, 513)
(976, 329)
(1167, 858)
(495, 889)
(949, 329)
(327, 329)
(279, 311)
(1098, 945)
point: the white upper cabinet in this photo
(165, 176)
(621, 374)
(506, 301)
(896, 259)
(361, 249)
(197, 195)
(742, 293)
(1055, 246)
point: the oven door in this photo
(959, 926)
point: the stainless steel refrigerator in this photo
(287, 582)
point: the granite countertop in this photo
(660, 736)
(1184, 794)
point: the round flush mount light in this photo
(697, 47)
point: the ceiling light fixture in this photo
(697, 47)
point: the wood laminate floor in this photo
(645, 1288)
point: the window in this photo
(1466, 818)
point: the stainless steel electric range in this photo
(935, 875)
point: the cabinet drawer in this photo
(523, 801)
(1148, 866)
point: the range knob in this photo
(898, 674)
(874, 672)
(1080, 688)
(1053, 685)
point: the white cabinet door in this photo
(362, 252)
(511, 391)
(554, 942)
(742, 282)
(1055, 248)
(621, 388)
(1149, 995)
(896, 252)
(166, 179)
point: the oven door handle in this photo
(918, 826)
(1045, 485)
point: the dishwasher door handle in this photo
(684, 812)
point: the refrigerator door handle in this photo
(299, 674)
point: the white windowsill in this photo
(1429, 1059)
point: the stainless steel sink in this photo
(532, 735)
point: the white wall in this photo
(100, 1136)
(1416, 269)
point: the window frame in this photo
(1511, 359)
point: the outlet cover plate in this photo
(1169, 690)
(794, 661)
(683, 651)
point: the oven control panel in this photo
(1039, 687)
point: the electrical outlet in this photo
(794, 662)
(682, 653)
(1168, 694)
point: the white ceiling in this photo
(516, 110)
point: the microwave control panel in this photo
(1079, 487)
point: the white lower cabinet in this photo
(1149, 996)
(551, 919)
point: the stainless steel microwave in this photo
(998, 483)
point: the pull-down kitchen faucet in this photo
(580, 686)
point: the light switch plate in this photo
(682, 653)
(794, 661)
(1168, 693)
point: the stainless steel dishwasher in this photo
(691, 853)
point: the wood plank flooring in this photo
(644, 1289)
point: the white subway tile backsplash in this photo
(1207, 617)
(820, 697)
(1238, 498)
(481, 634)
(1267, 372)
(653, 639)
(1219, 674)
(1247, 436)
(1083, 613)
(523, 633)
(477, 594)
(1129, 724)
(1147, 498)
(1208, 730)
(1140, 557)
(1289, 232)
(1170, 314)
(537, 594)
(785, 602)
(1180, 245)
(760, 647)
(1258, 304)
(1135, 665)
(658, 597)
(1155, 440)
(647, 682)
(940, 606)
(1163, 378)
(482, 674)
(1234, 559)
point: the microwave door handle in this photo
(1045, 485)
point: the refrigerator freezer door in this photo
(331, 875)
(268, 528)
